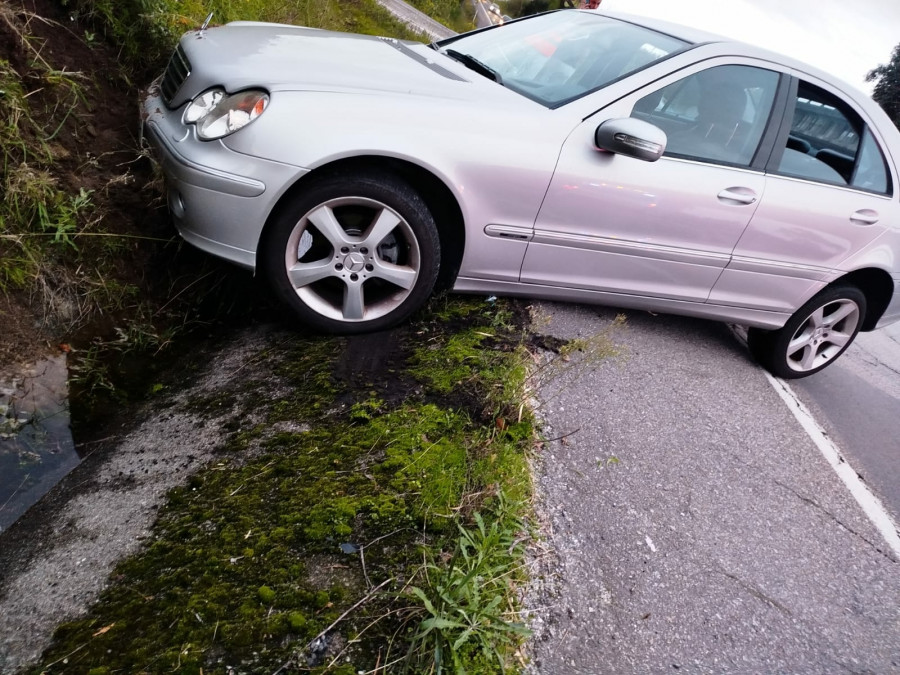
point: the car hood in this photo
(280, 57)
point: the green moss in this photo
(245, 562)
(266, 595)
(297, 621)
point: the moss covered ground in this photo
(382, 479)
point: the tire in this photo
(815, 335)
(353, 254)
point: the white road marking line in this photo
(870, 504)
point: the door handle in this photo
(737, 195)
(864, 217)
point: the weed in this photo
(612, 460)
(468, 624)
(38, 217)
(139, 337)
(575, 358)
(113, 371)
(90, 373)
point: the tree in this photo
(887, 86)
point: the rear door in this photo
(829, 193)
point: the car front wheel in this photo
(814, 336)
(353, 254)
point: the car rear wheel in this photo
(353, 254)
(814, 336)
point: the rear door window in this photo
(828, 142)
(871, 171)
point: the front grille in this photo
(176, 73)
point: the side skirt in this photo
(739, 315)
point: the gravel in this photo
(57, 559)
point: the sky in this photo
(846, 39)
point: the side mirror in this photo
(632, 138)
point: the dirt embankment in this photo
(84, 137)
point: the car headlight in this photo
(202, 105)
(217, 114)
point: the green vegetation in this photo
(147, 30)
(38, 219)
(63, 251)
(887, 86)
(71, 252)
(455, 14)
(467, 601)
(341, 532)
(350, 522)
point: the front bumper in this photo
(220, 199)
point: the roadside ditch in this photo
(283, 507)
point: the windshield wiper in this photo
(472, 63)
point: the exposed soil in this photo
(95, 149)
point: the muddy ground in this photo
(55, 559)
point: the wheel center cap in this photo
(355, 262)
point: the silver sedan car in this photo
(574, 155)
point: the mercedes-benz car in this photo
(573, 155)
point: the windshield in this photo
(557, 57)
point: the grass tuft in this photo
(468, 623)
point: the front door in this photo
(664, 229)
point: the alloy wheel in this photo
(352, 259)
(823, 335)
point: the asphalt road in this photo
(417, 20)
(857, 401)
(483, 17)
(693, 524)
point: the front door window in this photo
(717, 115)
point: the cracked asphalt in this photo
(692, 525)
